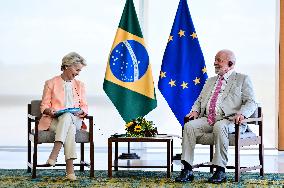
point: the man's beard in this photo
(217, 70)
(220, 71)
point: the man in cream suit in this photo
(225, 99)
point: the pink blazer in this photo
(53, 96)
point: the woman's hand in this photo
(79, 113)
(49, 111)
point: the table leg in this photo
(116, 156)
(172, 154)
(109, 158)
(168, 159)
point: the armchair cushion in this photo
(82, 136)
(247, 134)
(210, 140)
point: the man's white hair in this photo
(230, 55)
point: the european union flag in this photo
(183, 71)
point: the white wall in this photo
(34, 35)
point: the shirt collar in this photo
(227, 75)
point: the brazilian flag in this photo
(128, 80)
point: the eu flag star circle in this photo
(129, 61)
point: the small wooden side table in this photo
(139, 163)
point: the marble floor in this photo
(15, 157)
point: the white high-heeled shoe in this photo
(71, 177)
(51, 162)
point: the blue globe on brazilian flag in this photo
(128, 80)
(129, 61)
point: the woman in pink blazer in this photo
(62, 92)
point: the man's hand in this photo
(238, 118)
(193, 115)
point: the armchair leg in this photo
(237, 163)
(82, 157)
(34, 161)
(29, 142)
(211, 157)
(92, 159)
(29, 155)
(261, 159)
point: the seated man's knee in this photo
(188, 126)
(219, 127)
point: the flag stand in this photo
(128, 155)
(177, 156)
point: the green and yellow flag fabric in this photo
(128, 80)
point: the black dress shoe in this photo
(218, 177)
(185, 176)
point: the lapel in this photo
(75, 91)
(210, 89)
(229, 85)
(60, 91)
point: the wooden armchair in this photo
(39, 137)
(239, 140)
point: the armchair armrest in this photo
(91, 126)
(187, 119)
(251, 120)
(88, 117)
(246, 120)
(32, 117)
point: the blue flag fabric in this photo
(183, 71)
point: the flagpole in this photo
(183, 72)
(142, 5)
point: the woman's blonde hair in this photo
(72, 58)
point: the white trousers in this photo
(198, 131)
(65, 127)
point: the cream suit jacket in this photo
(53, 96)
(238, 96)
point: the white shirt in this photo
(69, 98)
(69, 103)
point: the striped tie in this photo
(212, 111)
